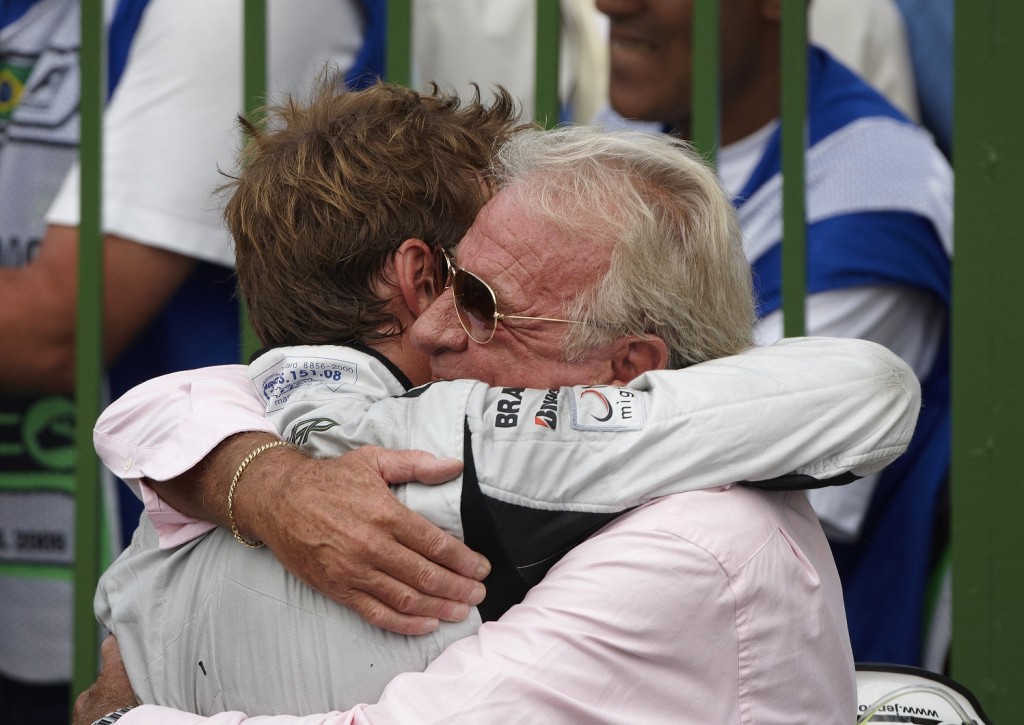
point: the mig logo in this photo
(606, 408)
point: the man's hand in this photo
(110, 692)
(335, 524)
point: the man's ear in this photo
(634, 356)
(414, 275)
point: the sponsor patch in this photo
(547, 415)
(606, 408)
(278, 384)
(306, 427)
(506, 410)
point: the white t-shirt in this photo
(169, 128)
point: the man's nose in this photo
(438, 328)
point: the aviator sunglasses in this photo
(475, 302)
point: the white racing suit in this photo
(214, 626)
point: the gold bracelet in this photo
(231, 493)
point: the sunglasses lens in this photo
(475, 305)
(442, 271)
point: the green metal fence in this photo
(988, 332)
(88, 345)
(988, 319)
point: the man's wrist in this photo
(112, 717)
(259, 506)
(222, 466)
(234, 483)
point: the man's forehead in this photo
(525, 252)
(506, 227)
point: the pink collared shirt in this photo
(718, 606)
(197, 410)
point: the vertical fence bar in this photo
(254, 90)
(546, 107)
(254, 45)
(398, 61)
(706, 74)
(88, 344)
(988, 333)
(794, 144)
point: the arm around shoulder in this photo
(828, 409)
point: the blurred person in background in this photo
(869, 37)
(879, 241)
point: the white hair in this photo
(677, 269)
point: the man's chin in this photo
(644, 101)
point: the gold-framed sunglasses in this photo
(476, 305)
